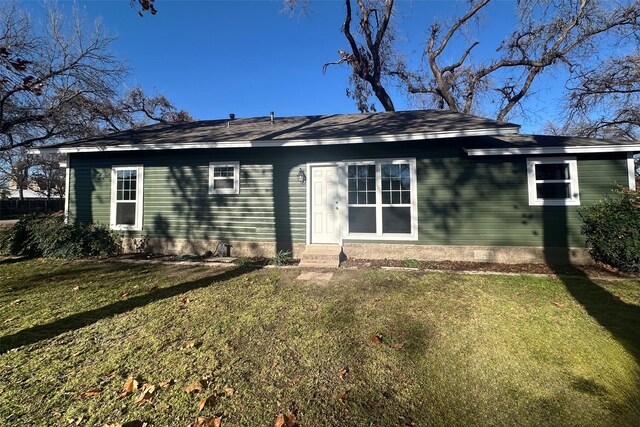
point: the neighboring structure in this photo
(33, 200)
(415, 184)
(33, 191)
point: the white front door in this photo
(324, 204)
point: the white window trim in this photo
(632, 171)
(139, 198)
(534, 200)
(379, 235)
(236, 178)
(67, 188)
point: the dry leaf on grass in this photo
(376, 338)
(166, 384)
(92, 392)
(398, 345)
(229, 390)
(207, 422)
(558, 304)
(136, 423)
(76, 288)
(146, 394)
(124, 294)
(194, 387)
(341, 395)
(130, 386)
(208, 401)
(192, 344)
(153, 289)
(285, 420)
(343, 373)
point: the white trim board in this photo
(631, 167)
(67, 189)
(553, 150)
(281, 143)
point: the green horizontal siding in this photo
(461, 200)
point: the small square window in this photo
(224, 178)
(553, 181)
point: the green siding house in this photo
(432, 184)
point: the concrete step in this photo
(309, 264)
(321, 256)
(323, 249)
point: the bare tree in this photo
(47, 73)
(604, 100)
(370, 54)
(131, 110)
(143, 6)
(60, 82)
(550, 34)
(48, 176)
(14, 168)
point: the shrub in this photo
(49, 236)
(282, 258)
(612, 229)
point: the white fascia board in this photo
(554, 150)
(284, 142)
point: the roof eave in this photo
(512, 151)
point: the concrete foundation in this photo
(200, 246)
(499, 254)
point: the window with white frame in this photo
(553, 181)
(381, 199)
(224, 178)
(126, 197)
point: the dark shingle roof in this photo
(334, 126)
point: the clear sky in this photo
(213, 58)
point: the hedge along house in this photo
(431, 185)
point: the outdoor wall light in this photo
(302, 178)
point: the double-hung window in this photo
(553, 181)
(126, 197)
(224, 178)
(382, 201)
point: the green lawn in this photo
(456, 349)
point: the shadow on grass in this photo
(616, 316)
(73, 270)
(76, 321)
(13, 260)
